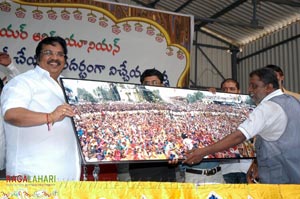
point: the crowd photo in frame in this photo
(121, 122)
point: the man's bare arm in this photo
(196, 155)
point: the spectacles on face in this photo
(51, 53)
(255, 86)
(152, 83)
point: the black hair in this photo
(50, 41)
(152, 72)
(231, 80)
(267, 76)
(275, 68)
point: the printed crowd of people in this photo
(37, 135)
(146, 131)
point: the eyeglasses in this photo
(255, 86)
(152, 83)
(51, 53)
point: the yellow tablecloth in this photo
(145, 190)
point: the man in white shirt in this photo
(253, 173)
(40, 138)
(275, 123)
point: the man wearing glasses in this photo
(152, 77)
(40, 139)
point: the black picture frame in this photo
(123, 123)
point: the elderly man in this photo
(40, 138)
(275, 123)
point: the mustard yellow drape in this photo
(144, 190)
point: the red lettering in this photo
(18, 178)
(25, 179)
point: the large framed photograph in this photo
(119, 122)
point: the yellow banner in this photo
(144, 190)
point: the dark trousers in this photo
(157, 171)
(235, 178)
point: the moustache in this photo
(54, 61)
